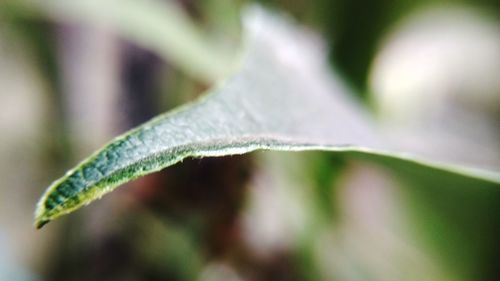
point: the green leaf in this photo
(282, 98)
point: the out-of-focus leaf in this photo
(283, 98)
(160, 26)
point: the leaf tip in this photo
(41, 217)
(40, 223)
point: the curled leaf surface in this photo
(282, 98)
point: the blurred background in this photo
(428, 71)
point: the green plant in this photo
(273, 102)
(359, 153)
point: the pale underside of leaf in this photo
(282, 98)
